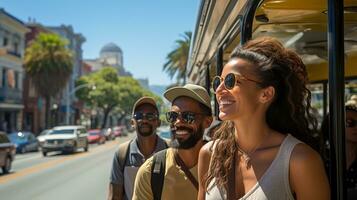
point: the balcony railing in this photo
(14, 53)
(7, 51)
(10, 95)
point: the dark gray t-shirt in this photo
(134, 160)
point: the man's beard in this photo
(191, 141)
(141, 130)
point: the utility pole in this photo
(70, 93)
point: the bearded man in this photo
(189, 116)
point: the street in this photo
(83, 175)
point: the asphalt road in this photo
(83, 175)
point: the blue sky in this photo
(145, 30)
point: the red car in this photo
(96, 136)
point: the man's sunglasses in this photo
(229, 81)
(148, 116)
(351, 123)
(187, 117)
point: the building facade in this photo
(12, 47)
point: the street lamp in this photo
(71, 93)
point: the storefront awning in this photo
(11, 106)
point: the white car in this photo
(41, 137)
(65, 139)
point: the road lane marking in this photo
(36, 156)
(51, 163)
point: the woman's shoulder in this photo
(300, 152)
(303, 152)
(307, 171)
(209, 146)
(305, 161)
(302, 155)
(206, 149)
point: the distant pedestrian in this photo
(351, 147)
(132, 154)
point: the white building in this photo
(12, 47)
(110, 55)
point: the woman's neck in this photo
(251, 135)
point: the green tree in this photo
(177, 59)
(49, 65)
(112, 94)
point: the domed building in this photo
(110, 55)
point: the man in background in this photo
(132, 154)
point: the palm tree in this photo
(48, 62)
(176, 60)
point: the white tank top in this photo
(274, 184)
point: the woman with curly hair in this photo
(264, 147)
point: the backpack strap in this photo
(123, 153)
(167, 143)
(158, 173)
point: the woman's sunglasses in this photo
(148, 116)
(229, 81)
(187, 117)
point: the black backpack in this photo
(157, 169)
(158, 173)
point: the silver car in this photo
(65, 139)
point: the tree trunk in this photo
(106, 113)
(48, 112)
(120, 120)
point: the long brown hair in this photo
(288, 113)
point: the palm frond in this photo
(176, 60)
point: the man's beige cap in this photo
(144, 100)
(193, 91)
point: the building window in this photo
(16, 48)
(10, 76)
(20, 80)
(16, 80)
(3, 77)
(5, 41)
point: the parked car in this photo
(124, 130)
(108, 133)
(25, 141)
(41, 137)
(7, 153)
(65, 139)
(96, 136)
(117, 130)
